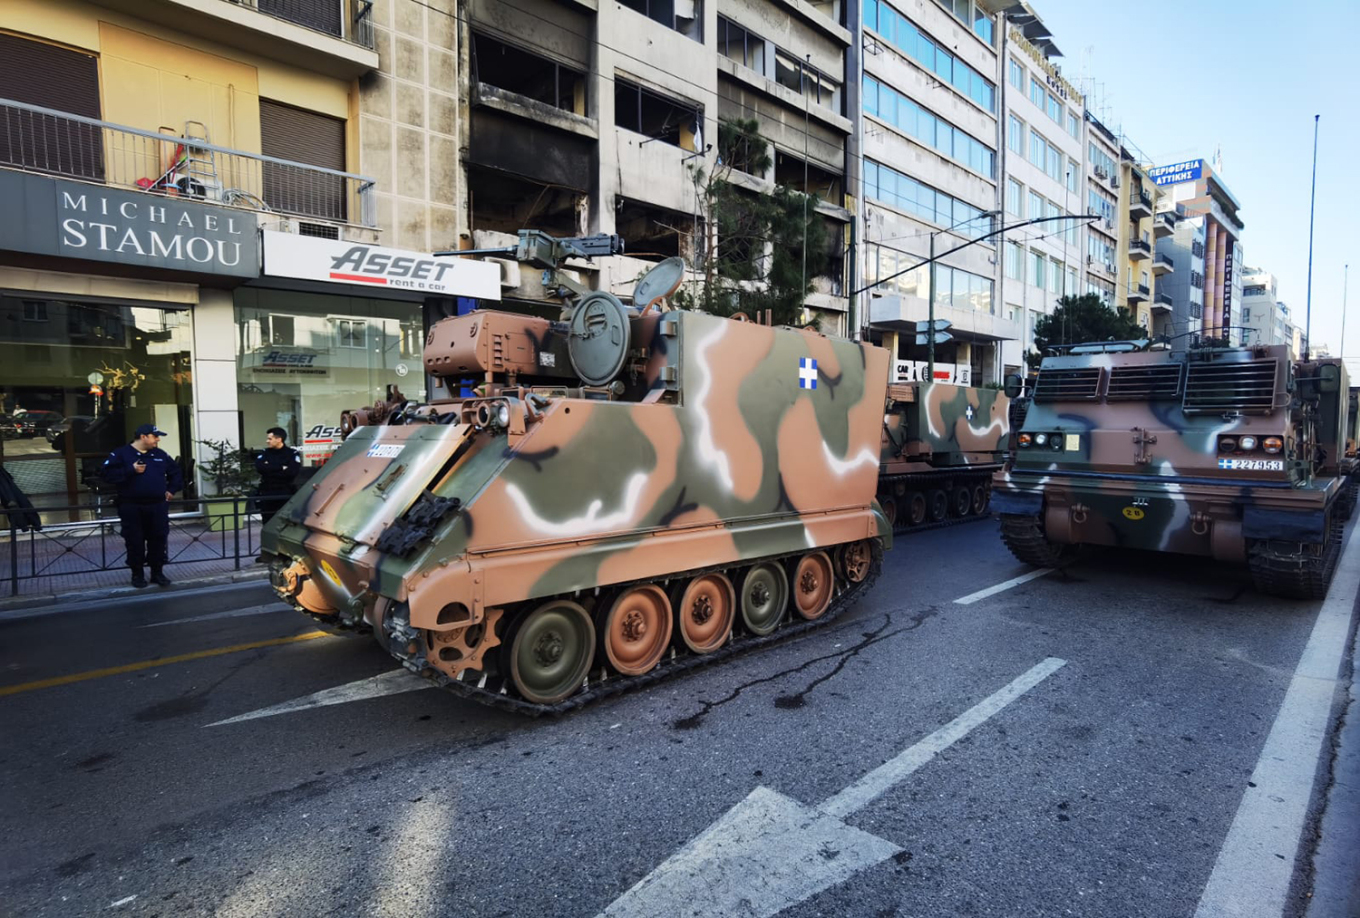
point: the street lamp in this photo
(930, 290)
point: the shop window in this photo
(353, 333)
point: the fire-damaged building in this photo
(584, 119)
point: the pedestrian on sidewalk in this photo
(278, 465)
(147, 479)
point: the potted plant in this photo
(228, 469)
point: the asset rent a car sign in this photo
(361, 264)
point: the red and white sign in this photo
(333, 261)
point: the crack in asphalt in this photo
(869, 638)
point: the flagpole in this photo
(1312, 204)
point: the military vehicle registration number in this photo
(1252, 465)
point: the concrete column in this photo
(215, 397)
(1211, 298)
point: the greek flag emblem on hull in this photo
(807, 373)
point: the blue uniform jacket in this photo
(277, 468)
(162, 473)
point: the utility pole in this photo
(1308, 316)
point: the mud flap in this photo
(1284, 525)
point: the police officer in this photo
(146, 478)
(278, 465)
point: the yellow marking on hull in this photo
(151, 664)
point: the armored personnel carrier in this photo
(941, 445)
(1233, 453)
(601, 499)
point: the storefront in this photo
(334, 325)
(99, 289)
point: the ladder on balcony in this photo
(200, 161)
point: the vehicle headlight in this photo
(1247, 443)
(1040, 439)
(1056, 441)
(503, 414)
(1273, 444)
(1227, 444)
(1024, 439)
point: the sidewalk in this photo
(87, 561)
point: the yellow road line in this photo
(151, 664)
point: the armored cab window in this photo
(1077, 384)
(1242, 386)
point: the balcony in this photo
(34, 139)
(1162, 264)
(1162, 303)
(1139, 293)
(333, 37)
(1164, 224)
(1138, 249)
(1140, 204)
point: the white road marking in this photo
(121, 902)
(877, 782)
(1002, 587)
(391, 683)
(1252, 873)
(770, 852)
(229, 613)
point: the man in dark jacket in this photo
(146, 478)
(278, 465)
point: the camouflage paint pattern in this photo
(937, 425)
(720, 445)
(1125, 466)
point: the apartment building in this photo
(1265, 319)
(1206, 199)
(930, 183)
(1138, 266)
(193, 190)
(1044, 131)
(579, 119)
(1104, 256)
(1178, 307)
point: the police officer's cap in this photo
(145, 429)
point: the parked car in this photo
(62, 426)
(36, 423)
(10, 427)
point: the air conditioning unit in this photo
(1101, 173)
(1114, 181)
(1109, 266)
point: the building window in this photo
(962, 289)
(1037, 263)
(927, 127)
(982, 26)
(667, 13)
(1016, 74)
(805, 80)
(740, 45)
(1038, 147)
(1054, 165)
(1055, 273)
(298, 136)
(1073, 171)
(516, 70)
(1014, 262)
(1014, 193)
(895, 189)
(1102, 166)
(35, 311)
(645, 112)
(1073, 124)
(1015, 135)
(903, 35)
(1037, 95)
(353, 333)
(1036, 205)
(1055, 108)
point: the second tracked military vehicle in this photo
(601, 498)
(1234, 453)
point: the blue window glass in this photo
(905, 35)
(871, 14)
(944, 65)
(870, 95)
(887, 105)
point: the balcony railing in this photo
(1139, 249)
(351, 20)
(56, 143)
(1139, 293)
(1162, 263)
(1164, 299)
(1140, 200)
(1165, 223)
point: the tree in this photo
(750, 257)
(1079, 319)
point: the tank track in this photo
(946, 481)
(493, 690)
(1289, 569)
(1024, 536)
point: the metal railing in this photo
(217, 533)
(1141, 198)
(1165, 300)
(351, 20)
(1161, 258)
(1138, 245)
(1167, 218)
(56, 143)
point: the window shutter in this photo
(310, 139)
(36, 73)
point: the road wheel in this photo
(704, 615)
(764, 596)
(963, 501)
(916, 508)
(981, 498)
(552, 651)
(937, 505)
(854, 560)
(637, 629)
(889, 505)
(813, 585)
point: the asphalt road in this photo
(1107, 787)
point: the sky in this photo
(1182, 79)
